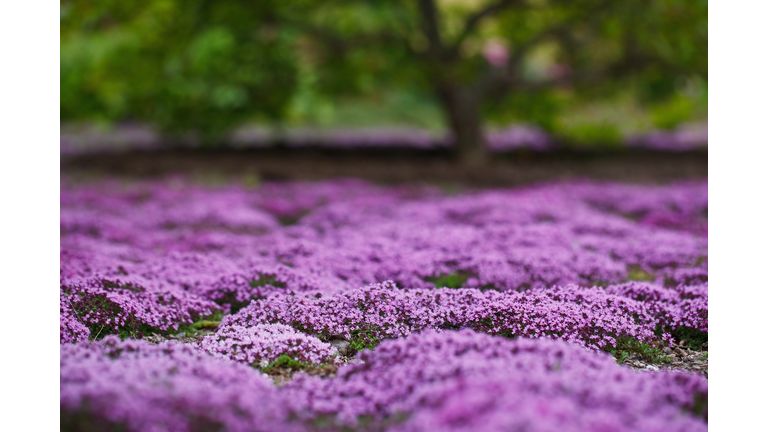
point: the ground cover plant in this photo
(512, 138)
(492, 309)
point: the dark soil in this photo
(395, 165)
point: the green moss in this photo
(649, 352)
(266, 279)
(208, 322)
(205, 324)
(635, 273)
(286, 362)
(189, 329)
(453, 280)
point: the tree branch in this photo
(474, 20)
(342, 43)
(499, 79)
(618, 69)
(431, 28)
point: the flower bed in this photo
(514, 137)
(431, 381)
(284, 271)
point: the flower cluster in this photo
(112, 303)
(463, 381)
(683, 207)
(673, 307)
(485, 309)
(453, 381)
(161, 253)
(132, 385)
(593, 317)
(685, 138)
(264, 343)
(70, 327)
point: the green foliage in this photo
(673, 112)
(453, 280)
(620, 356)
(693, 338)
(286, 362)
(208, 322)
(205, 324)
(266, 279)
(407, 107)
(205, 67)
(364, 339)
(591, 136)
(184, 66)
(539, 108)
(204, 321)
(636, 273)
(648, 352)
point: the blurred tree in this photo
(192, 65)
(515, 56)
(207, 65)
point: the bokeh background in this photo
(590, 74)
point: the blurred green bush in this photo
(183, 66)
(205, 67)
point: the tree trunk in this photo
(462, 107)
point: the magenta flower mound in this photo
(264, 343)
(486, 310)
(108, 304)
(674, 307)
(592, 317)
(135, 386)
(159, 242)
(466, 381)
(683, 207)
(154, 256)
(70, 328)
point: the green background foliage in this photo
(209, 66)
(182, 65)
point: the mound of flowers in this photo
(592, 317)
(453, 381)
(135, 386)
(98, 303)
(479, 310)
(264, 343)
(466, 381)
(152, 255)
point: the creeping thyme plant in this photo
(492, 310)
